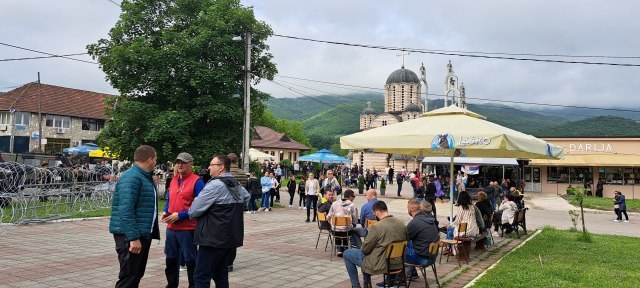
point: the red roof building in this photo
(276, 144)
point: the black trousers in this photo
(311, 200)
(132, 266)
(212, 264)
(301, 201)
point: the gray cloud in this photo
(545, 27)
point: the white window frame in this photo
(58, 121)
(5, 118)
(21, 117)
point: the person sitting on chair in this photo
(422, 230)
(344, 207)
(372, 255)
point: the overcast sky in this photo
(585, 27)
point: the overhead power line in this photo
(440, 52)
(40, 57)
(50, 54)
(307, 96)
(114, 3)
(347, 86)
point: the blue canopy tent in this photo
(81, 149)
(323, 156)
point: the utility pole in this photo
(246, 128)
(39, 116)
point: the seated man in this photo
(421, 231)
(344, 207)
(325, 207)
(366, 213)
(371, 258)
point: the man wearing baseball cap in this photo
(184, 187)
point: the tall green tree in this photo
(180, 76)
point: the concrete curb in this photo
(455, 273)
(473, 282)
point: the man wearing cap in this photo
(183, 189)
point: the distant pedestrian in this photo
(599, 188)
(134, 217)
(620, 207)
(312, 189)
(301, 201)
(266, 183)
(255, 189)
(291, 188)
(399, 179)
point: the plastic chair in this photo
(395, 252)
(433, 253)
(323, 225)
(455, 243)
(343, 236)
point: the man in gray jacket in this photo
(220, 227)
(421, 232)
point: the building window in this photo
(612, 175)
(92, 124)
(4, 118)
(23, 118)
(557, 174)
(57, 121)
(581, 175)
(295, 156)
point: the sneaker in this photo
(495, 234)
(253, 212)
(381, 284)
(249, 212)
(183, 268)
(616, 220)
(314, 220)
(626, 221)
(269, 209)
(307, 221)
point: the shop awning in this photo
(600, 160)
(471, 160)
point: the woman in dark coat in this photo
(484, 205)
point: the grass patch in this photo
(606, 204)
(556, 258)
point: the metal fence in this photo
(31, 194)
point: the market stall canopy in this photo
(323, 156)
(600, 160)
(256, 155)
(84, 149)
(451, 131)
(471, 160)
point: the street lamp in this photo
(246, 127)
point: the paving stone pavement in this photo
(278, 251)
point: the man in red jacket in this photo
(184, 187)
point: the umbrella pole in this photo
(451, 183)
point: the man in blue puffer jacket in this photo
(134, 217)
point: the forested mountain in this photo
(326, 118)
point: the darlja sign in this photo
(590, 147)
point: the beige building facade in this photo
(616, 161)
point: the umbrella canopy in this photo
(102, 153)
(452, 132)
(256, 155)
(81, 149)
(323, 156)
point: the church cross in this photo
(402, 54)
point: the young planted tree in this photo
(180, 76)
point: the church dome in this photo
(413, 107)
(403, 76)
(368, 111)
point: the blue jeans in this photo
(413, 258)
(265, 200)
(252, 203)
(353, 259)
(211, 263)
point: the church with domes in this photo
(403, 101)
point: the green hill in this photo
(601, 126)
(326, 118)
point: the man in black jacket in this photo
(220, 227)
(422, 230)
